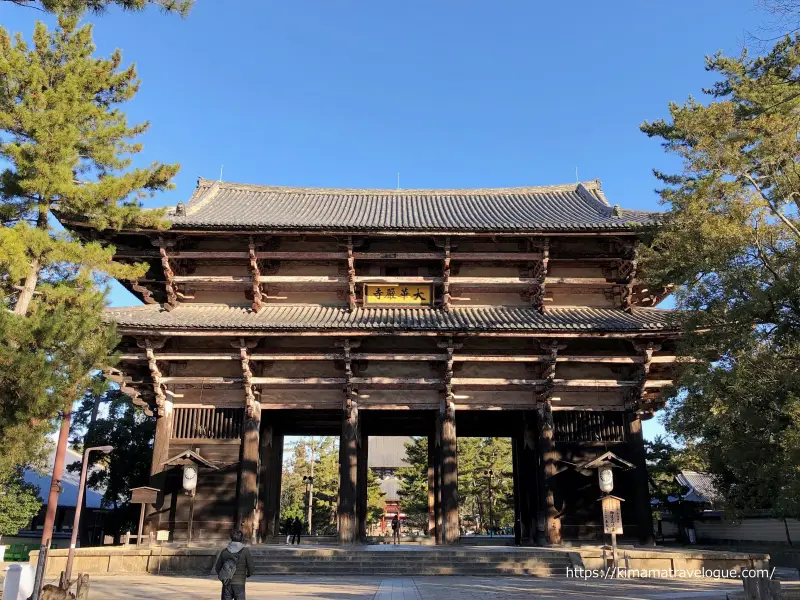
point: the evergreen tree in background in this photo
(376, 499)
(476, 456)
(130, 433)
(180, 7)
(19, 502)
(486, 501)
(414, 483)
(730, 241)
(67, 146)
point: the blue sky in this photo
(449, 93)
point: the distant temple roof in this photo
(572, 207)
(467, 319)
(70, 481)
(701, 486)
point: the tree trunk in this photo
(26, 295)
(29, 288)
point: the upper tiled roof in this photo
(463, 319)
(573, 207)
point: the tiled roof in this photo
(701, 486)
(468, 319)
(578, 206)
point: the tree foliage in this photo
(180, 7)
(730, 243)
(19, 502)
(324, 452)
(485, 501)
(67, 148)
(664, 461)
(477, 506)
(130, 433)
(414, 483)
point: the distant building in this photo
(386, 455)
(710, 524)
(67, 500)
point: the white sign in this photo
(162, 535)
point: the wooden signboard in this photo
(144, 495)
(398, 294)
(612, 515)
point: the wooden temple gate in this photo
(280, 311)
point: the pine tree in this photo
(376, 499)
(180, 7)
(67, 146)
(414, 483)
(731, 242)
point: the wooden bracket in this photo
(252, 407)
(351, 275)
(446, 299)
(350, 405)
(159, 389)
(645, 350)
(169, 274)
(147, 295)
(255, 273)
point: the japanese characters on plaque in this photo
(612, 514)
(398, 294)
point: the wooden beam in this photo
(259, 356)
(398, 255)
(268, 332)
(497, 256)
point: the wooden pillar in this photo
(161, 440)
(640, 501)
(548, 520)
(164, 417)
(449, 466)
(363, 485)
(432, 486)
(348, 475)
(247, 518)
(269, 482)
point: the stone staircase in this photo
(388, 561)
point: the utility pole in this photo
(489, 473)
(52, 501)
(310, 484)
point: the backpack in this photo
(229, 568)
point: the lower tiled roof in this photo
(466, 319)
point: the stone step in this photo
(386, 572)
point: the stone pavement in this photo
(416, 588)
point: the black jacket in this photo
(244, 568)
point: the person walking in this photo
(234, 566)
(297, 529)
(287, 529)
(396, 529)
